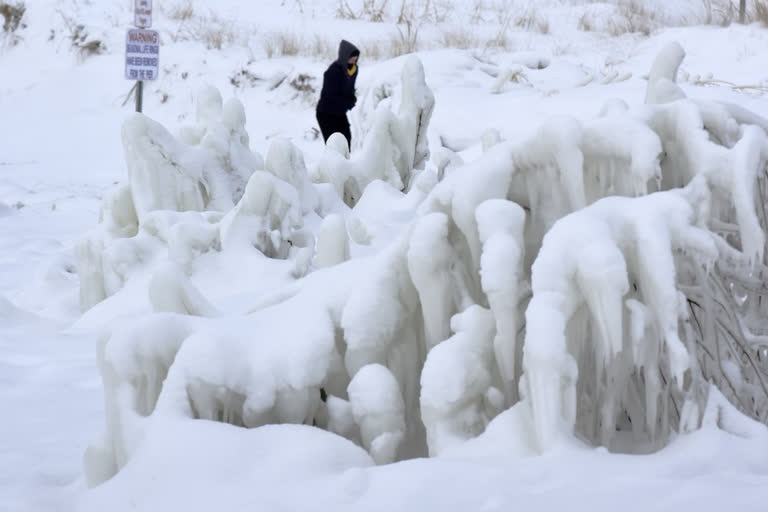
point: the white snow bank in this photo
(5, 210)
(298, 467)
(204, 465)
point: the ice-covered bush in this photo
(394, 144)
(592, 276)
(625, 307)
(621, 288)
(583, 352)
(192, 195)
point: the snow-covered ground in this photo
(60, 153)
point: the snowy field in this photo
(187, 319)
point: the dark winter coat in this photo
(338, 93)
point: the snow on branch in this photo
(616, 254)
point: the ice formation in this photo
(377, 407)
(590, 278)
(458, 396)
(394, 145)
(591, 263)
(636, 367)
(205, 192)
(332, 242)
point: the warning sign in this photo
(142, 54)
(143, 13)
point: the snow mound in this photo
(5, 210)
(235, 458)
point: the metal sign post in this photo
(139, 95)
(142, 58)
(142, 50)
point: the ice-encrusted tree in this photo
(593, 277)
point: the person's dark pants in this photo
(332, 123)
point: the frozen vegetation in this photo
(542, 255)
(591, 279)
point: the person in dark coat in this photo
(338, 93)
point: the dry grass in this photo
(634, 18)
(345, 12)
(719, 12)
(532, 21)
(442, 10)
(396, 44)
(216, 33)
(12, 15)
(628, 17)
(370, 10)
(91, 48)
(281, 44)
(244, 78)
(216, 39)
(321, 47)
(372, 50)
(502, 17)
(477, 13)
(459, 38)
(79, 39)
(181, 11)
(425, 11)
(586, 22)
(302, 83)
(213, 31)
(375, 10)
(398, 11)
(726, 12)
(463, 39)
(405, 41)
(501, 42)
(760, 12)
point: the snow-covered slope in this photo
(62, 151)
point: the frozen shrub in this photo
(12, 15)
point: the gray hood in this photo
(346, 50)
